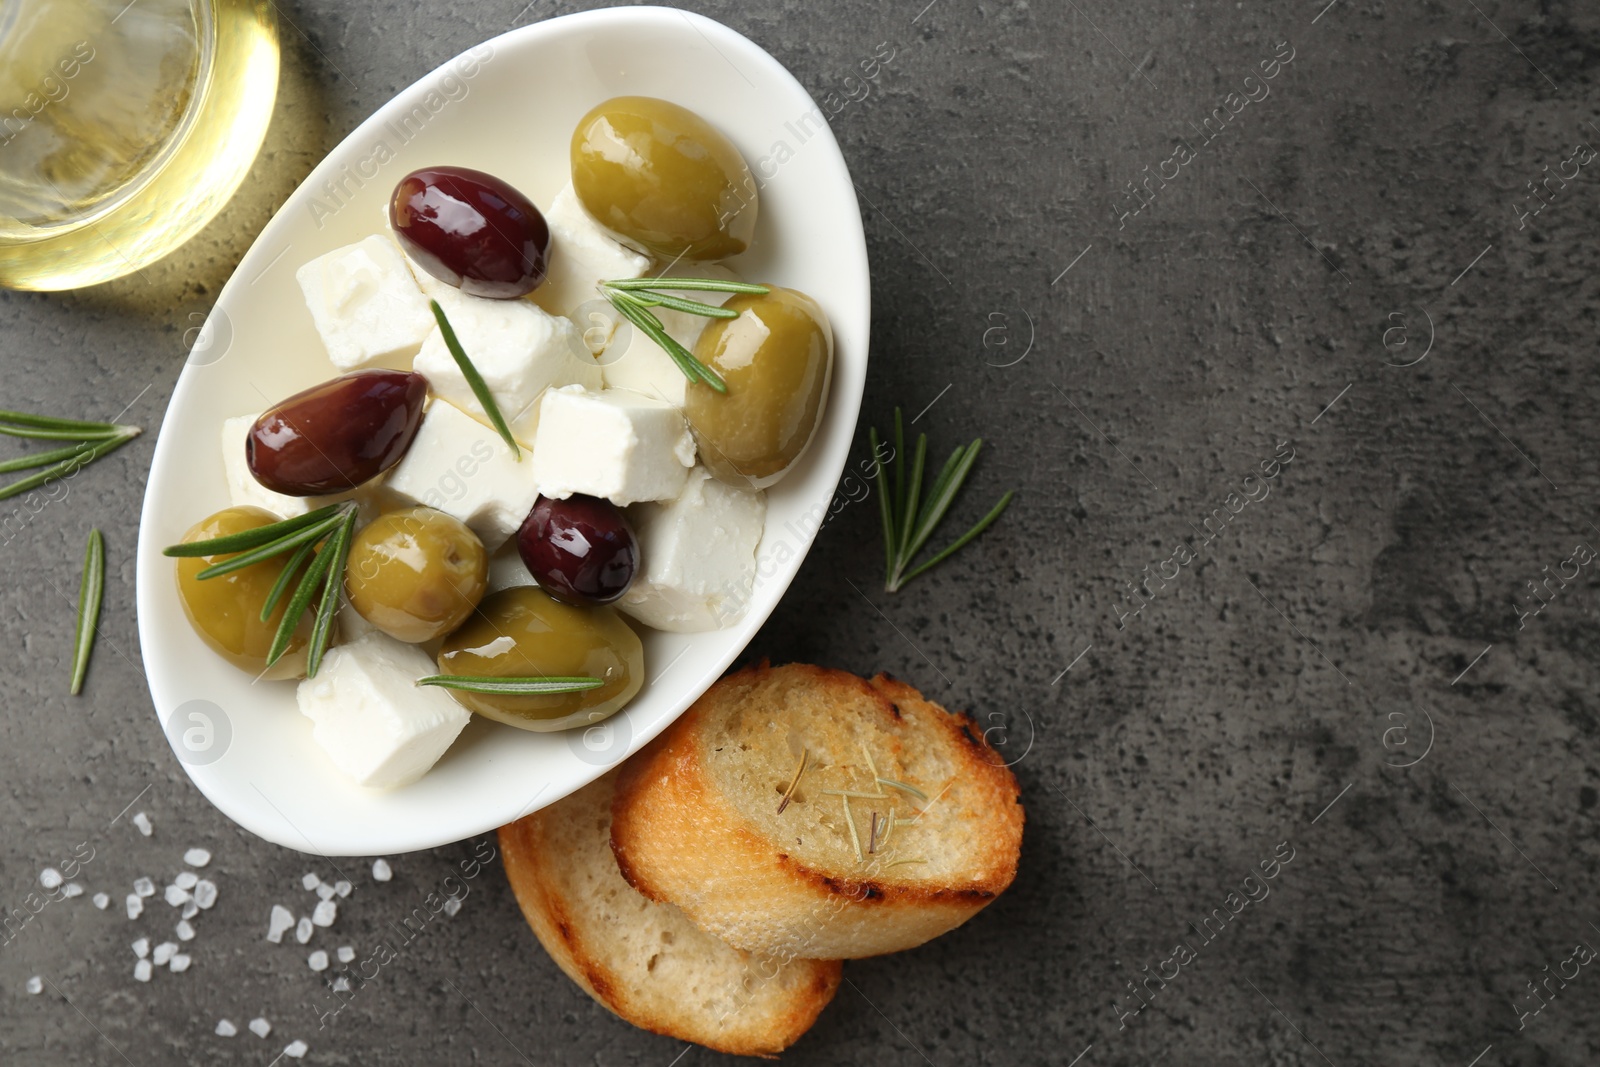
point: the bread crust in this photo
(680, 838)
(766, 1022)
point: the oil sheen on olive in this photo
(776, 359)
(226, 610)
(471, 230)
(416, 574)
(581, 550)
(335, 436)
(663, 178)
(522, 633)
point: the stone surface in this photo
(1126, 374)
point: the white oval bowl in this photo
(507, 107)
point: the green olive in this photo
(663, 178)
(416, 574)
(226, 610)
(776, 358)
(523, 633)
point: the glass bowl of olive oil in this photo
(124, 129)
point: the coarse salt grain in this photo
(295, 1049)
(225, 1028)
(177, 897)
(72, 889)
(342, 887)
(281, 921)
(260, 1027)
(142, 821)
(317, 961)
(381, 871)
(325, 891)
(341, 984)
(302, 930)
(452, 905)
(142, 971)
(185, 931)
(180, 963)
(50, 878)
(197, 857)
(186, 879)
(205, 893)
(102, 901)
(346, 953)
(324, 913)
(35, 985)
(144, 887)
(190, 910)
(309, 881)
(135, 905)
(163, 953)
(141, 947)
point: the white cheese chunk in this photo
(582, 253)
(644, 366)
(245, 491)
(462, 468)
(366, 304)
(615, 444)
(518, 348)
(698, 554)
(507, 571)
(375, 724)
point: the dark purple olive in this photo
(471, 230)
(334, 436)
(581, 549)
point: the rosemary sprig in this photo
(634, 297)
(788, 794)
(91, 592)
(480, 388)
(91, 440)
(483, 683)
(908, 521)
(323, 535)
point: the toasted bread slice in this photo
(705, 816)
(646, 961)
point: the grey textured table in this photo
(1339, 662)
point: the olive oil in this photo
(124, 128)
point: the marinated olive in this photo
(524, 633)
(226, 610)
(581, 549)
(776, 358)
(664, 178)
(471, 230)
(416, 574)
(334, 436)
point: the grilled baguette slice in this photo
(645, 961)
(700, 817)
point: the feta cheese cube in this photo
(459, 466)
(698, 554)
(375, 724)
(507, 571)
(617, 444)
(644, 366)
(366, 304)
(519, 349)
(582, 254)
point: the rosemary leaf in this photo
(307, 535)
(885, 510)
(914, 495)
(50, 422)
(903, 787)
(84, 456)
(281, 586)
(480, 388)
(939, 502)
(688, 307)
(40, 459)
(91, 593)
(298, 604)
(960, 542)
(475, 683)
(247, 539)
(705, 285)
(45, 434)
(332, 590)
